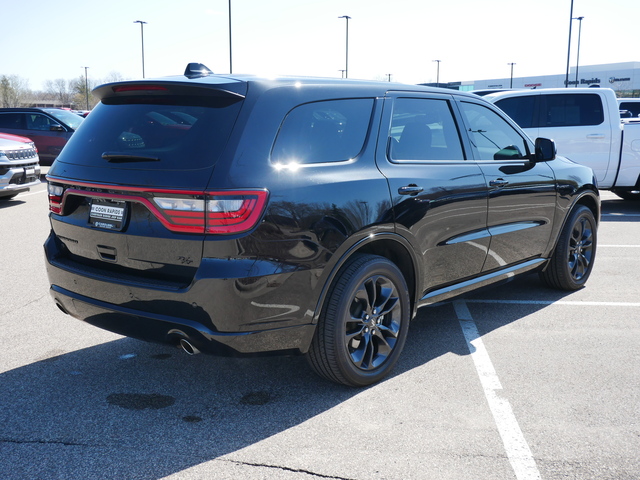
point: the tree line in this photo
(74, 94)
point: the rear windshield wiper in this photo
(128, 158)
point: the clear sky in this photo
(46, 40)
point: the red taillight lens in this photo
(55, 197)
(221, 212)
(217, 212)
(138, 88)
(234, 213)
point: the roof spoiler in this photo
(195, 70)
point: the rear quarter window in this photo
(319, 132)
(571, 110)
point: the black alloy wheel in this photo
(572, 261)
(364, 323)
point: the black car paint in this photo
(262, 291)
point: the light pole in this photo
(142, 39)
(511, 81)
(346, 63)
(566, 78)
(86, 85)
(578, 55)
(438, 73)
(230, 50)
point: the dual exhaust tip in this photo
(188, 347)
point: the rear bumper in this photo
(170, 330)
(218, 313)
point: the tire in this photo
(572, 260)
(631, 195)
(364, 322)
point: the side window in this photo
(520, 109)
(36, 121)
(329, 131)
(12, 120)
(423, 129)
(491, 136)
(570, 110)
(632, 107)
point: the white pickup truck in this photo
(586, 126)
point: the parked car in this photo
(19, 166)
(586, 126)
(301, 215)
(49, 128)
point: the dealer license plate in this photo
(108, 214)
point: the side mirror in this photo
(545, 150)
(56, 128)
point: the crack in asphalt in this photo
(44, 442)
(20, 307)
(289, 469)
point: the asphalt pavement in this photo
(517, 382)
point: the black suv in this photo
(239, 215)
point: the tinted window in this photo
(520, 109)
(12, 120)
(69, 118)
(632, 107)
(568, 110)
(38, 121)
(423, 129)
(491, 136)
(180, 132)
(329, 131)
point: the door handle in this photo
(498, 182)
(410, 190)
(596, 136)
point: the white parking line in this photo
(619, 246)
(515, 445)
(26, 194)
(556, 302)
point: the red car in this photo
(49, 128)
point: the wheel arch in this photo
(391, 246)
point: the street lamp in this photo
(578, 55)
(346, 63)
(566, 78)
(511, 82)
(142, 39)
(230, 50)
(438, 73)
(86, 85)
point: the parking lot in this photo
(518, 382)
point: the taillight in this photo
(223, 212)
(55, 197)
(217, 212)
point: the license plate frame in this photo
(108, 214)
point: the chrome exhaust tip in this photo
(188, 347)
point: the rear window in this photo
(328, 131)
(160, 133)
(520, 109)
(571, 110)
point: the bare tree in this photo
(61, 90)
(14, 91)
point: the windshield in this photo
(159, 133)
(68, 118)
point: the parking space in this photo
(515, 382)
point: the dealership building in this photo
(624, 78)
